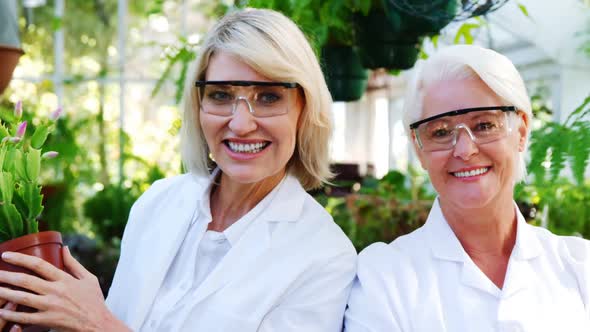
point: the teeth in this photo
(248, 148)
(472, 172)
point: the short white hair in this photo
(459, 62)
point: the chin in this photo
(247, 174)
(471, 199)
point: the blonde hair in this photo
(275, 47)
(459, 62)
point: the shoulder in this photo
(172, 185)
(306, 222)
(301, 227)
(395, 260)
(161, 195)
(570, 248)
(328, 234)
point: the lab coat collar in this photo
(285, 203)
(443, 241)
(445, 245)
(527, 244)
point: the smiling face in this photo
(246, 148)
(471, 175)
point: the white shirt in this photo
(198, 255)
(290, 270)
(425, 281)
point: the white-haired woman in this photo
(476, 265)
(236, 244)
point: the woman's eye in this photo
(220, 96)
(268, 98)
(485, 126)
(440, 133)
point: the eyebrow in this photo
(463, 111)
(289, 85)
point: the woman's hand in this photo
(9, 306)
(65, 302)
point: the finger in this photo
(15, 328)
(23, 280)
(72, 265)
(2, 302)
(10, 306)
(24, 318)
(35, 264)
(23, 298)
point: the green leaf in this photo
(434, 40)
(523, 10)
(6, 187)
(33, 164)
(3, 132)
(20, 165)
(10, 221)
(39, 136)
(579, 112)
(580, 150)
(3, 150)
(422, 55)
(56, 23)
(465, 33)
(9, 159)
(30, 194)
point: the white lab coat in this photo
(291, 270)
(425, 281)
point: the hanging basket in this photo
(345, 76)
(383, 45)
(416, 23)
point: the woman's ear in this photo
(522, 130)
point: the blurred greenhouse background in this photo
(116, 68)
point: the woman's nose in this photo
(465, 147)
(242, 121)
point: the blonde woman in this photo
(236, 244)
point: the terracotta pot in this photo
(9, 59)
(45, 245)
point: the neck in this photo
(231, 200)
(487, 230)
(487, 234)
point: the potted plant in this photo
(10, 50)
(20, 194)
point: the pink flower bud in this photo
(55, 115)
(49, 155)
(18, 109)
(22, 128)
(14, 139)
